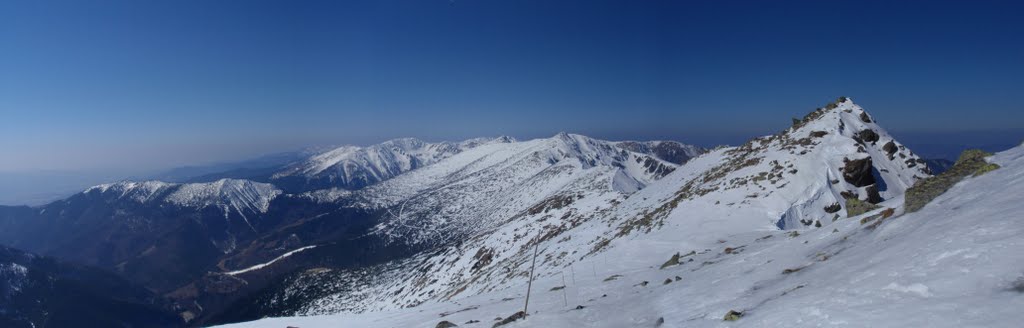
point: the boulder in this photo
(873, 196)
(733, 315)
(835, 207)
(510, 319)
(674, 260)
(864, 117)
(867, 136)
(858, 172)
(445, 324)
(890, 149)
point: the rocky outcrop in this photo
(858, 172)
(971, 163)
(867, 136)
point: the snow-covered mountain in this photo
(230, 195)
(478, 189)
(353, 167)
(154, 233)
(952, 264)
(670, 151)
(484, 210)
(666, 231)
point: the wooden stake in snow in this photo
(529, 284)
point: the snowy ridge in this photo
(483, 187)
(355, 167)
(243, 196)
(137, 191)
(489, 201)
(566, 194)
(900, 271)
(799, 178)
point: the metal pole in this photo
(564, 299)
(529, 284)
(573, 272)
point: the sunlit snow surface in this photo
(956, 263)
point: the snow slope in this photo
(955, 263)
(241, 196)
(352, 167)
(481, 188)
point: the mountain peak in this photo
(351, 167)
(239, 194)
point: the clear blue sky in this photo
(150, 84)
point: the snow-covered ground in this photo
(956, 263)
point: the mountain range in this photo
(673, 234)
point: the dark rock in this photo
(818, 134)
(510, 319)
(864, 117)
(835, 207)
(674, 260)
(580, 307)
(733, 315)
(867, 136)
(873, 196)
(445, 324)
(1018, 286)
(483, 257)
(858, 172)
(890, 149)
(557, 288)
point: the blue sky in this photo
(140, 85)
